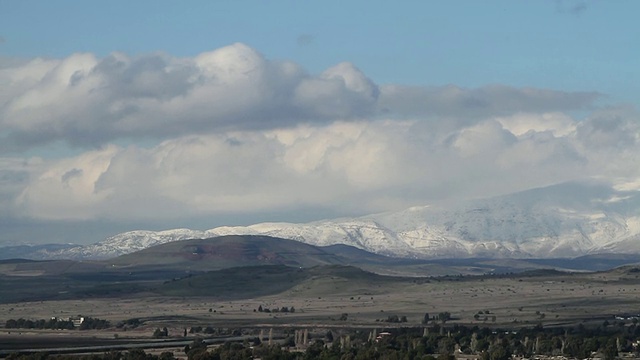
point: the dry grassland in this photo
(511, 301)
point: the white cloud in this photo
(66, 188)
(233, 132)
(482, 140)
(351, 166)
(559, 124)
(14, 176)
(617, 127)
(89, 101)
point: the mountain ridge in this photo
(565, 220)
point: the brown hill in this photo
(229, 251)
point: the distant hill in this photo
(36, 252)
(234, 267)
(560, 221)
(199, 255)
(359, 256)
(230, 251)
(255, 281)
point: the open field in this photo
(509, 301)
(183, 293)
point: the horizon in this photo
(158, 115)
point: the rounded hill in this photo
(229, 251)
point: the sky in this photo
(118, 116)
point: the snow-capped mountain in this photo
(564, 220)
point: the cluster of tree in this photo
(200, 329)
(94, 323)
(129, 323)
(442, 317)
(134, 354)
(420, 343)
(211, 330)
(57, 324)
(494, 344)
(39, 324)
(430, 343)
(237, 351)
(283, 309)
(394, 319)
(480, 315)
(161, 333)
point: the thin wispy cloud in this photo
(305, 39)
(574, 7)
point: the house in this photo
(76, 320)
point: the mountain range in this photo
(560, 221)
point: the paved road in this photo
(4, 350)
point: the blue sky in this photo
(122, 115)
(569, 45)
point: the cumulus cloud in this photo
(88, 101)
(612, 127)
(233, 132)
(15, 175)
(559, 124)
(612, 137)
(352, 166)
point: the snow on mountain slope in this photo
(125, 243)
(565, 220)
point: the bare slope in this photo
(229, 251)
(566, 220)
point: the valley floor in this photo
(506, 301)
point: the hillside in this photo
(561, 221)
(229, 251)
(255, 281)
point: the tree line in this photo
(56, 324)
(428, 343)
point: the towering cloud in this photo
(88, 102)
(230, 131)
